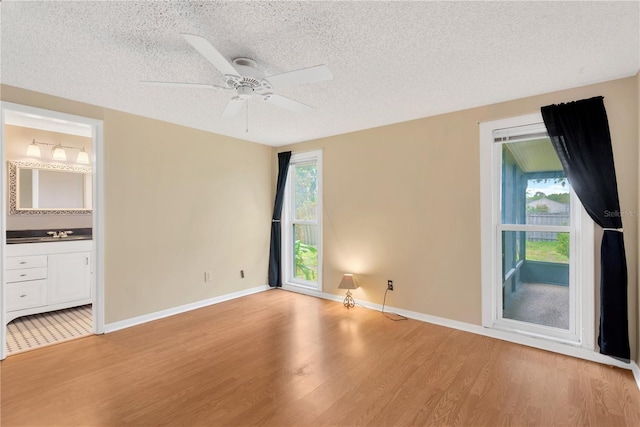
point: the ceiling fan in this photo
(243, 77)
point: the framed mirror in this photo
(49, 189)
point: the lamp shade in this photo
(83, 157)
(348, 282)
(58, 153)
(33, 150)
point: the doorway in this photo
(57, 285)
(537, 239)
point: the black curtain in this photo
(275, 250)
(579, 132)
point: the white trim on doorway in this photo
(98, 209)
(3, 235)
(583, 333)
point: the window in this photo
(302, 214)
(537, 241)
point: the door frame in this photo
(97, 283)
(584, 251)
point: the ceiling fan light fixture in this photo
(244, 92)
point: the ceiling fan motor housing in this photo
(248, 80)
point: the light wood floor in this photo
(282, 359)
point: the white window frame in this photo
(582, 328)
(289, 281)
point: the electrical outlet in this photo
(390, 285)
(207, 276)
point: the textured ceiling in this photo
(391, 61)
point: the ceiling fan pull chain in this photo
(247, 115)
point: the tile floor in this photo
(38, 330)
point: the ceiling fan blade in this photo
(287, 103)
(232, 108)
(299, 77)
(179, 84)
(207, 50)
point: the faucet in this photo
(59, 235)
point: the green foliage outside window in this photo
(549, 251)
(306, 203)
(306, 259)
(562, 244)
(306, 185)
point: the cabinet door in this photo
(69, 277)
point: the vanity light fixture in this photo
(33, 150)
(58, 152)
(83, 157)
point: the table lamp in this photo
(348, 282)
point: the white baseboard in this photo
(115, 326)
(530, 341)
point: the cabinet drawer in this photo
(26, 274)
(26, 294)
(20, 262)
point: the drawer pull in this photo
(23, 295)
(23, 262)
(23, 275)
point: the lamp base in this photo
(349, 301)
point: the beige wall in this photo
(402, 202)
(178, 202)
(16, 140)
(638, 211)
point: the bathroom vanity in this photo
(48, 270)
(47, 274)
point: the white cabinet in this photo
(69, 276)
(26, 284)
(43, 277)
